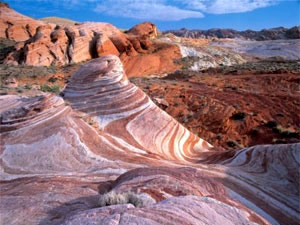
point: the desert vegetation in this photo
(116, 198)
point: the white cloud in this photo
(238, 6)
(146, 10)
(167, 10)
(194, 4)
(177, 9)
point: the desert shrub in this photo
(278, 141)
(114, 198)
(232, 143)
(187, 62)
(51, 69)
(52, 79)
(284, 132)
(27, 87)
(254, 131)
(232, 87)
(53, 89)
(22, 71)
(271, 124)
(6, 46)
(238, 116)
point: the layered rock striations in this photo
(112, 101)
(106, 154)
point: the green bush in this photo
(53, 89)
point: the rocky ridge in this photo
(263, 35)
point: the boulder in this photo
(158, 62)
(104, 46)
(123, 44)
(80, 47)
(148, 29)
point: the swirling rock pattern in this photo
(58, 154)
(112, 101)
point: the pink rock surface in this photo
(59, 155)
(113, 101)
(180, 210)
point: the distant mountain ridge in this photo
(265, 34)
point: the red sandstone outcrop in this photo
(144, 29)
(156, 63)
(63, 45)
(49, 44)
(16, 26)
(59, 157)
(104, 46)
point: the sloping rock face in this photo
(59, 156)
(16, 26)
(113, 100)
(282, 49)
(197, 59)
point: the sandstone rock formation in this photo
(63, 45)
(114, 99)
(104, 46)
(16, 26)
(59, 155)
(144, 29)
(159, 62)
(50, 44)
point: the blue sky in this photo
(170, 14)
